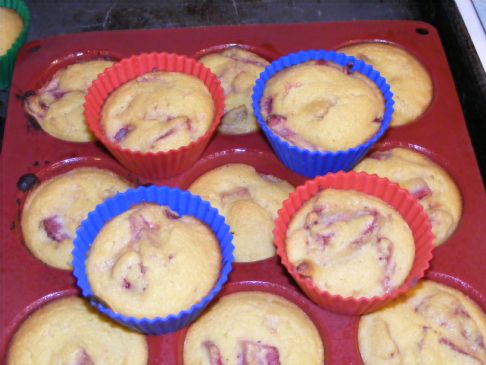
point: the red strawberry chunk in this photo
(276, 121)
(456, 348)
(126, 284)
(185, 123)
(373, 226)
(270, 178)
(420, 189)
(171, 214)
(304, 268)
(55, 228)
(248, 61)
(238, 193)
(267, 105)
(84, 359)
(122, 133)
(289, 87)
(385, 252)
(323, 240)
(278, 124)
(139, 225)
(167, 134)
(255, 353)
(213, 353)
(381, 155)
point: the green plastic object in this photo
(7, 61)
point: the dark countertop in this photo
(55, 17)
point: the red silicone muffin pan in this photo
(440, 133)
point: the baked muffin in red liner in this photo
(149, 164)
(391, 194)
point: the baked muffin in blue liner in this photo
(311, 163)
(179, 201)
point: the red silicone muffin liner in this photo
(390, 193)
(150, 164)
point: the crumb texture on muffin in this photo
(409, 81)
(430, 184)
(253, 328)
(10, 28)
(58, 106)
(237, 69)
(158, 111)
(151, 262)
(320, 106)
(351, 244)
(54, 210)
(249, 201)
(70, 331)
(432, 324)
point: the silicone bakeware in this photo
(440, 133)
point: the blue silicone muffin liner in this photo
(314, 163)
(183, 203)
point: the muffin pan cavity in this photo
(71, 59)
(421, 172)
(237, 66)
(264, 163)
(444, 305)
(411, 101)
(14, 324)
(31, 180)
(293, 296)
(267, 53)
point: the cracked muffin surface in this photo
(432, 324)
(151, 262)
(70, 331)
(321, 106)
(253, 328)
(237, 69)
(59, 105)
(158, 111)
(351, 244)
(429, 183)
(54, 210)
(249, 201)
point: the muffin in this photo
(69, 331)
(431, 325)
(237, 69)
(59, 105)
(253, 328)
(426, 181)
(158, 111)
(249, 201)
(409, 80)
(150, 262)
(321, 106)
(351, 244)
(53, 211)
(10, 28)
